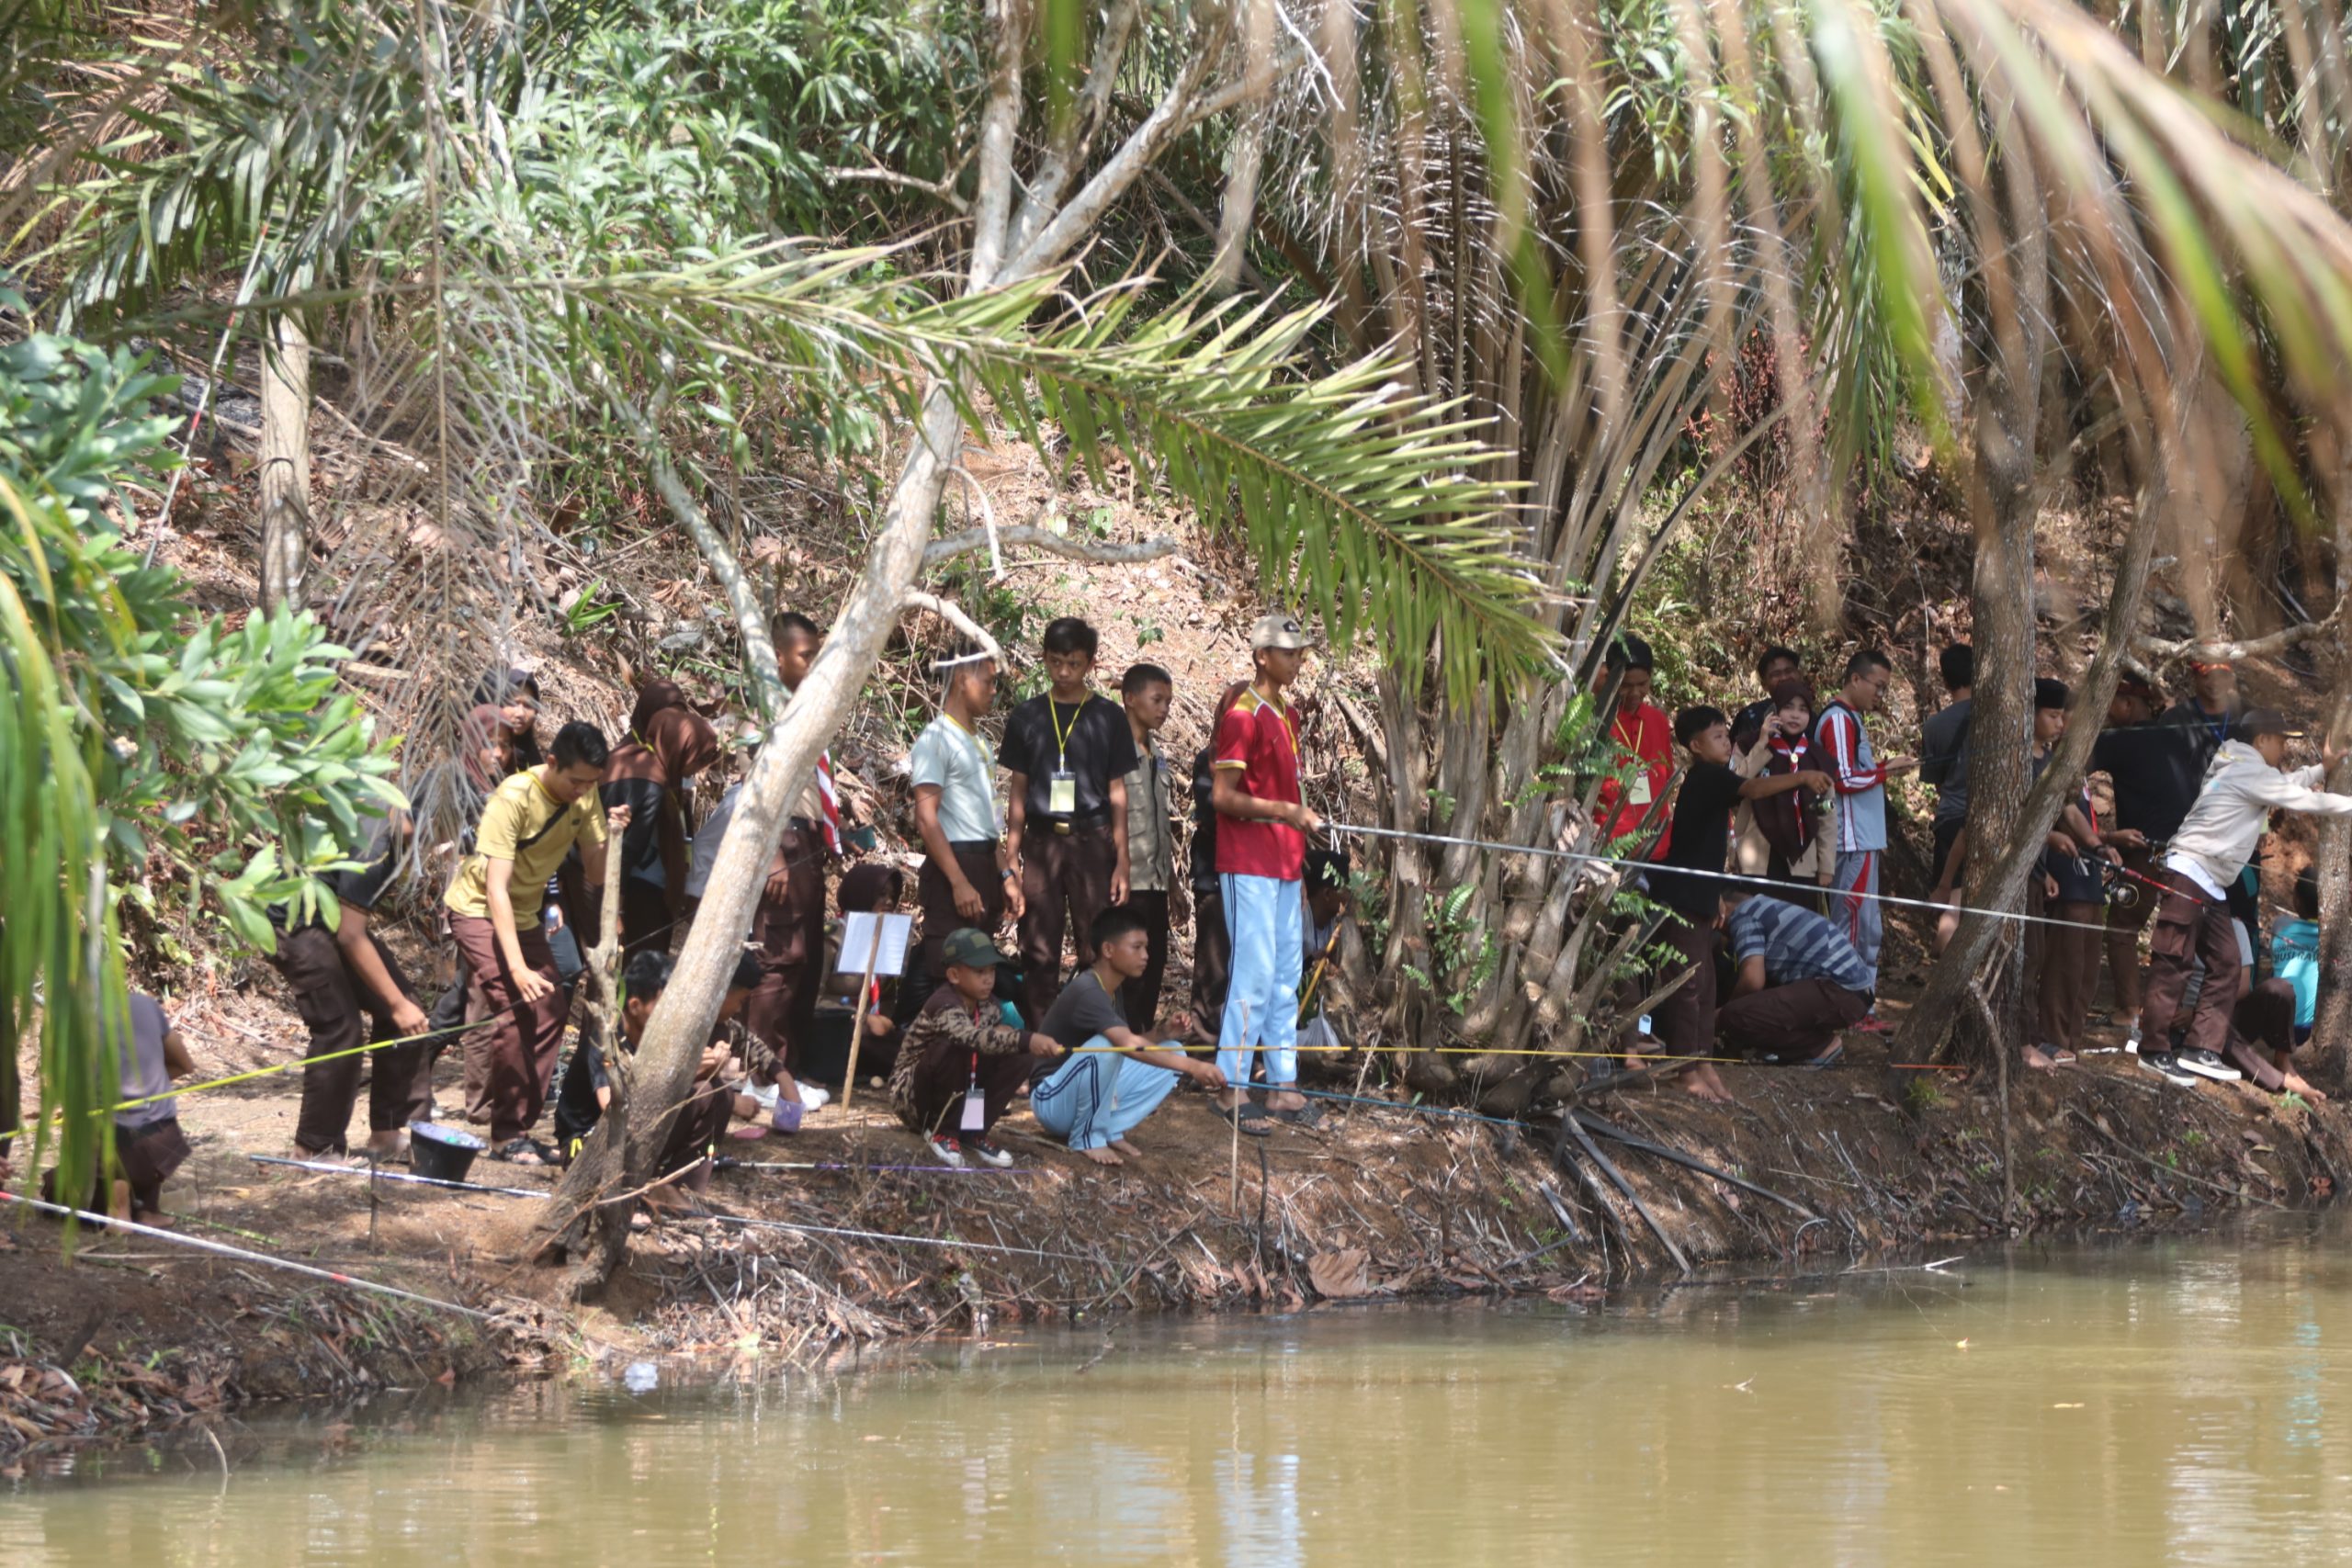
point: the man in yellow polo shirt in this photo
(529, 825)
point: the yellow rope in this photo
(454, 1028)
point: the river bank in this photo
(1379, 1201)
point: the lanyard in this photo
(1061, 736)
(979, 746)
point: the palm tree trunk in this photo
(285, 464)
(2334, 1018)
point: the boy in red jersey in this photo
(1260, 860)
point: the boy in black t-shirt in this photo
(1069, 752)
(350, 990)
(1113, 1077)
(1697, 841)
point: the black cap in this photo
(2048, 693)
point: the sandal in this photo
(1829, 1058)
(523, 1151)
(1304, 1116)
(1250, 1117)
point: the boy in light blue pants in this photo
(1113, 1077)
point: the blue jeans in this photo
(1099, 1094)
(1268, 919)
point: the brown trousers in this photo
(936, 897)
(2069, 971)
(510, 1064)
(2189, 927)
(1065, 881)
(790, 931)
(1139, 997)
(647, 924)
(1793, 1020)
(343, 1015)
(1212, 958)
(1685, 1023)
(2124, 925)
(144, 1158)
(935, 1096)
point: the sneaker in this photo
(2163, 1066)
(2132, 1040)
(2208, 1064)
(987, 1153)
(946, 1151)
(815, 1098)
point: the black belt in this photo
(1066, 826)
(966, 846)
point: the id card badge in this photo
(1061, 794)
(975, 1111)
(1638, 793)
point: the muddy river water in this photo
(2165, 1402)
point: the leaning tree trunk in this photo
(1997, 881)
(285, 463)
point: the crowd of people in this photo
(1769, 855)
(1761, 835)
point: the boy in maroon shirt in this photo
(1261, 858)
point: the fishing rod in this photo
(243, 1255)
(888, 1235)
(1760, 884)
(452, 1032)
(377, 1173)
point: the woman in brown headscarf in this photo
(650, 772)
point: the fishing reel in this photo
(2123, 888)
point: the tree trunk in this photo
(285, 464)
(1997, 881)
(662, 1075)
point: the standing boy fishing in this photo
(1261, 858)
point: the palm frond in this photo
(1359, 499)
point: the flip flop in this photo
(514, 1151)
(1304, 1116)
(1834, 1054)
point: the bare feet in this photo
(1703, 1082)
(1285, 1099)
(2295, 1085)
(2037, 1059)
(1233, 1099)
(1125, 1147)
(1101, 1157)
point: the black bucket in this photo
(445, 1154)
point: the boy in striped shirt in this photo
(1859, 779)
(1797, 981)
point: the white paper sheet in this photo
(861, 931)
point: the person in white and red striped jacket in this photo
(1842, 750)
